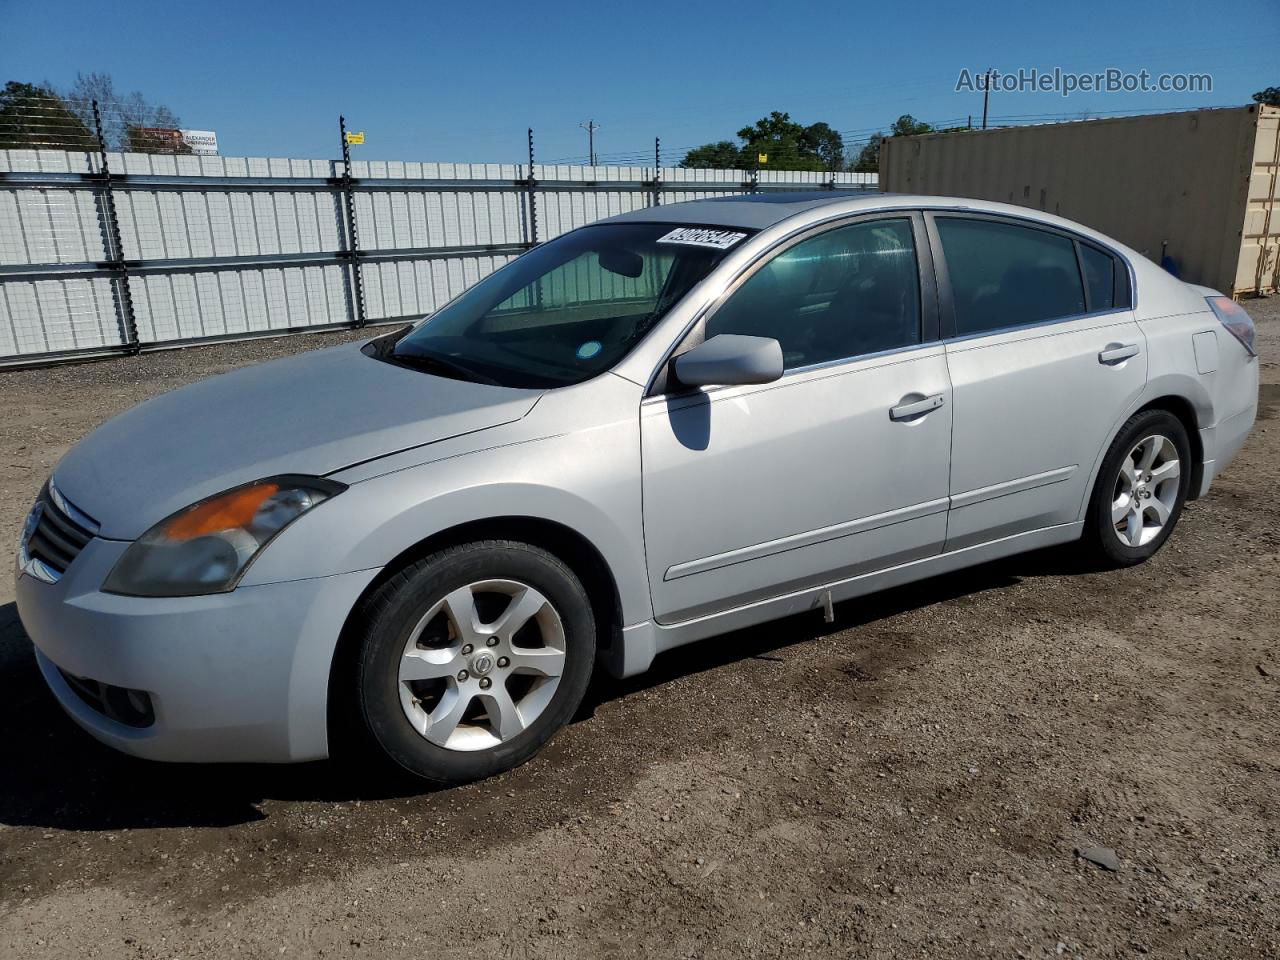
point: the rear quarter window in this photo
(1107, 279)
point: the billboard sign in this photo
(203, 143)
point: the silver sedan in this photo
(655, 429)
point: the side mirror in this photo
(729, 359)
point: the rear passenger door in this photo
(1044, 354)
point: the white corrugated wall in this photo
(191, 228)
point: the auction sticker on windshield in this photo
(703, 237)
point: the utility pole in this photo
(591, 127)
(986, 95)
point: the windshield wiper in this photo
(441, 364)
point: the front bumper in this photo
(240, 676)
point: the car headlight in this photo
(207, 547)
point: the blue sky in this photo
(462, 81)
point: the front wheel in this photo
(1140, 490)
(472, 658)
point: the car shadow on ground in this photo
(58, 777)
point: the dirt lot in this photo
(911, 781)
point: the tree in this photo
(1270, 96)
(788, 145)
(723, 155)
(35, 118)
(781, 139)
(868, 160)
(905, 126)
(825, 144)
(130, 122)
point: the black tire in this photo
(1103, 547)
(386, 622)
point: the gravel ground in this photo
(913, 780)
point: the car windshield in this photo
(567, 310)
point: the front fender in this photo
(588, 480)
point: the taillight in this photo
(1236, 320)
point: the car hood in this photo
(314, 413)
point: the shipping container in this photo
(1195, 191)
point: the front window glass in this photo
(565, 311)
(844, 293)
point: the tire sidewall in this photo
(396, 610)
(1102, 530)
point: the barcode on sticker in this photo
(703, 237)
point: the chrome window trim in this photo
(1029, 223)
(1051, 227)
(888, 212)
(1034, 325)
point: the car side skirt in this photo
(643, 641)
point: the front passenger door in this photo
(837, 469)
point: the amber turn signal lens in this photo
(235, 509)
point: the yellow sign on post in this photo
(762, 157)
(355, 139)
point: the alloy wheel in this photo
(481, 665)
(1146, 490)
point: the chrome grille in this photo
(58, 531)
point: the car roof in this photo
(754, 211)
(759, 211)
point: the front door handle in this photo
(1117, 353)
(910, 409)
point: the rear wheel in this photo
(1141, 489)
(472, 658)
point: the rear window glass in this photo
(1004, 275)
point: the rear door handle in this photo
(1117, 353)
(916, 408)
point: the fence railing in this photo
(115, 253)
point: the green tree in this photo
(781, 139)
(723, 155)
(825, 144)
(908, 126)
(788, 145)
(35, 118)
(868, 160)
(1270, 96)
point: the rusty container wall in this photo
(1259, 268)
(1177, 183)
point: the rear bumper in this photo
(240, 676)
(1223, 441)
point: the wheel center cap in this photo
(482, 663)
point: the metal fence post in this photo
(115, 246)
(531, 185)
(353, 244)
(657, 171)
